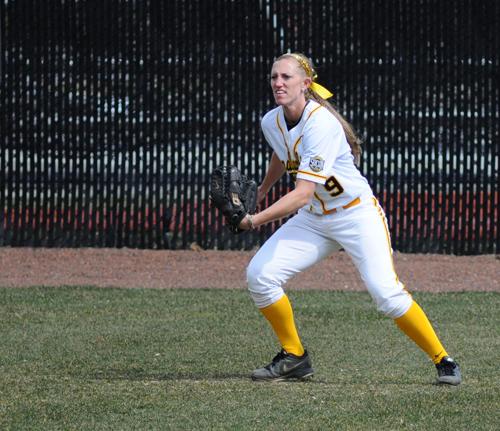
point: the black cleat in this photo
(285, 366)
(448, 372)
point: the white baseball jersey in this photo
(317, 150)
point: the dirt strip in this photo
(131, 268)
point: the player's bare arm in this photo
(287, 205)
(274, 172)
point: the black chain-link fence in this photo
(115, 112)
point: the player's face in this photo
(288, 82)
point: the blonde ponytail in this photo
(308, 68)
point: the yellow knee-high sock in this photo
(416, 325)
(280, 316)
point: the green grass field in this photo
(117, 359)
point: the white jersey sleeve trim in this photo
(316, 178)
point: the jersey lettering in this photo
(292, 167)
(333, 186)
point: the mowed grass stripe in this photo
(86, 358)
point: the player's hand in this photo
(233, 194)
(247, 223)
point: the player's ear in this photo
(307, 83)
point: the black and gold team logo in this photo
(292, 166)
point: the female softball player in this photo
(334, 204)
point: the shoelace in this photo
(448, 368)
(281, 355)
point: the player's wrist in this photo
(250, 222)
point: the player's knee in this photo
(256, 278)
(261, 287)
(394, 306)
(390, 297)
(253, 275)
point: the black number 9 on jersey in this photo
(333, 186)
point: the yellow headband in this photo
(317, 88)
(322, 91)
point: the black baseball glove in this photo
(233, 194)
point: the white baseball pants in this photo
(307, 238)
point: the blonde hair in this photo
(307, 67)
